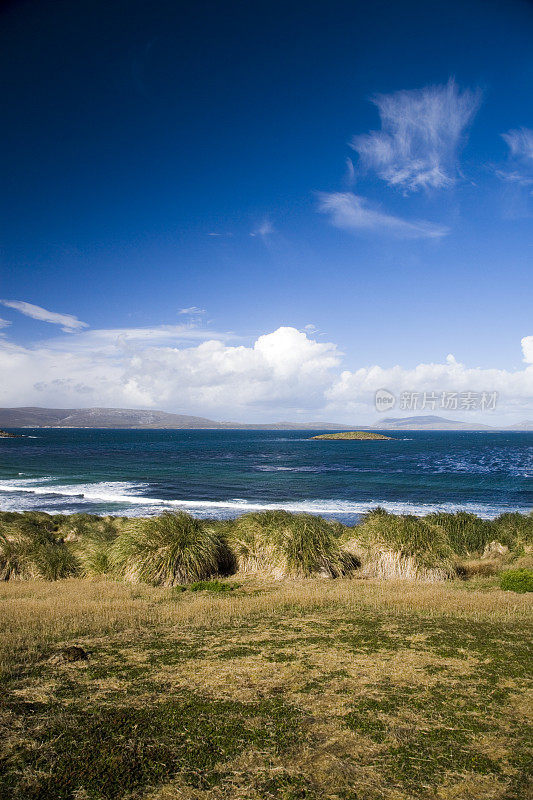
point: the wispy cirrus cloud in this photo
(4, 323)
(520, 142)
(421, 132)
(519, 169)
(192, 311)
(352, 212)
(263, 230)
(68, 322)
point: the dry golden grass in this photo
(338, 689)
(38, 613)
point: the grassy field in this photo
(354, 689)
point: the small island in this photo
(352, 435)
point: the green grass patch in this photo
(114, 750)
(215, 587)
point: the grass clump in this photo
(515, 530)
(517, 580)
(31, 547)
(279, 544)
(92, 541)
(467, 534)
(171, 549)
(401, 547)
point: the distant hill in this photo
(34, 417)
(429, 423)
(527, 425)
(98, 418)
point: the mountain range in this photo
(34, 417)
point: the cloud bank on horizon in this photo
(197, 371)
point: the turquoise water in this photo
(225, 473)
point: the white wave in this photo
(106, 491)
(125, 495)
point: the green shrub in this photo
(281, 544)
(517, 580)
(170, 549)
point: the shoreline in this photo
(141, 506)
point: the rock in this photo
(74, 653)
(6, 435)
(495, 549)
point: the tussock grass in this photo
(93, 550)
(176, 548)
(467, 534)
(171, 549)
(401, 547)
(31, 547)
(515, 530)
(278, 545)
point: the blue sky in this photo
(188, 180)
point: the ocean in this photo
(223, 473)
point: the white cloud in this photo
(193, 311)
(68, 322)
(352, 212)
(4, 323)
(283, 369)
(519, 169)
(352, 390)
(115, 340)
(279, 374)
(421, 132)
(263, 230)
(520, 143)
(527, 349)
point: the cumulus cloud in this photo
(68, 322)
(421, 132)
(352, 212)
(282, 369)
(280, 373)
(527, 349)
(515, 389)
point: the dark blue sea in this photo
(225, 473)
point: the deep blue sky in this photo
(134, 130)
